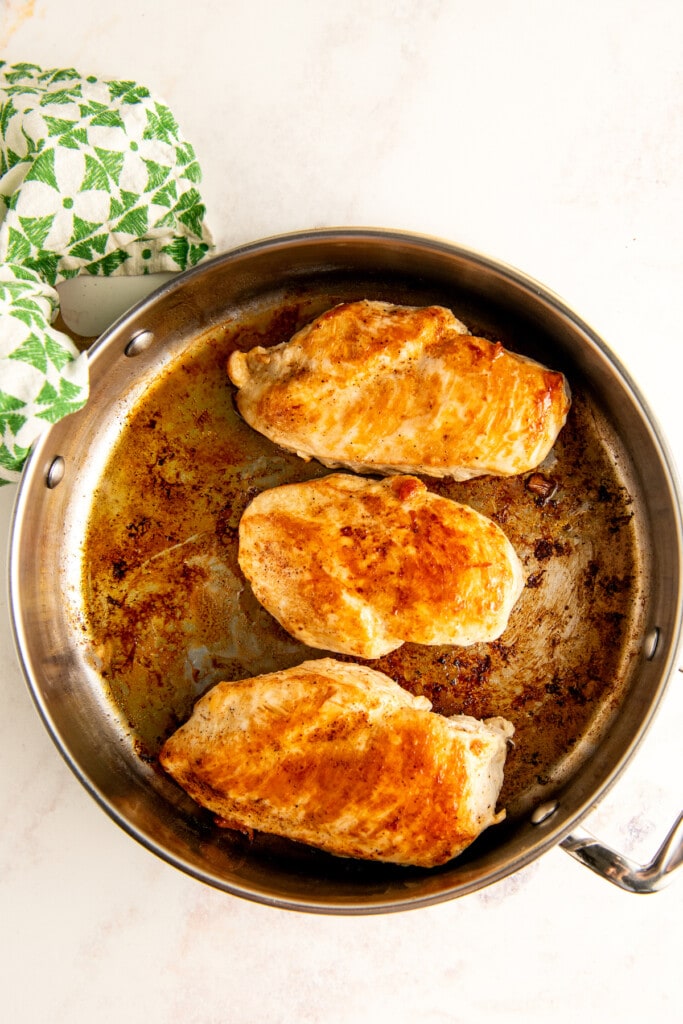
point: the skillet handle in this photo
(625, 873)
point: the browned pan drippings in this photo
(169, 613)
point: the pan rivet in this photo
(140, 342)
(543, 811)
(650, 643)
(55, 473)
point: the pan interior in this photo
(169, 613)
(143, 537)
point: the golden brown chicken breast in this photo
(380, 388)
(340, 757)
(358, 566)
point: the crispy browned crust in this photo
(399, 389)
(358, 566)
(338, 756)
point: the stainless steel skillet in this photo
(127, 601)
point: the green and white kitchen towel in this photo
(95, 178)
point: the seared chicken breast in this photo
(358, 566)
(380, 388)
(340, 757)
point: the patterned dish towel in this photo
(95, 178)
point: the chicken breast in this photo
(340, 757)
(358, 566)
(380, 388)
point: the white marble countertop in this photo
(549, 136)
